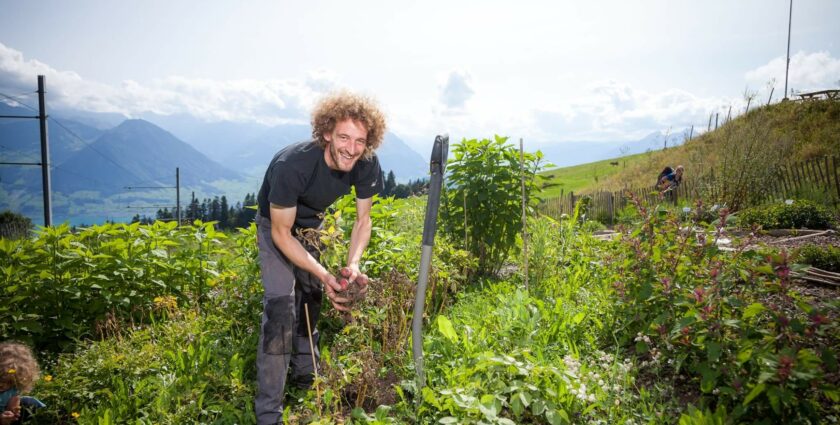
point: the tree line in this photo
(400, 190)
(216, 209)
(240, 215)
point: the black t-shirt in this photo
(298, 176)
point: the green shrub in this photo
(482, 205)
(822, 257)
(61, 286)
(687, 307)
(796, 215)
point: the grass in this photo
(587, 177)
(804, 129)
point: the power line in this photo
(149, 187)
(13, 99)
(72, 133)
(88, 144)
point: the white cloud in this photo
(808, 71)
(265, 101)
(617, 111)
(457, 90)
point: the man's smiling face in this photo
(345, 145)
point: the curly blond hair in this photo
(342, 105)
(18, 368)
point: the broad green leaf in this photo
(713, 350)
(753, 393)
(445, 327)
(752, 310)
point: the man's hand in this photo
(331, 286)
(353, 274)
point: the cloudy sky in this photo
(547, 71)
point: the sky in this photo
(545, 71)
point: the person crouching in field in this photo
(302, 180)
(670, 179)
(18, 373)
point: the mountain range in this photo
(100, 172)
(564, 154)
(107, 167)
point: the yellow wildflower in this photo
(75, 415)
(48, 378)
(11, 371)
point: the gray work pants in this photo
(284, 339)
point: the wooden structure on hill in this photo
(822, 94)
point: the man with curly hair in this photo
(302, 180)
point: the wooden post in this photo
(785, 174)
(524, 220)
(836, 180)
(827, 175)
(819, 170)
(798, 175)
(466, 232)
(571, 203)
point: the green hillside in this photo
(585, 177)
(759, 140)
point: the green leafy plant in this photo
(788, 215)
(729, 321)
(483, 200)
(62, 286)
(822, 257)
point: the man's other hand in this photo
(331, 287)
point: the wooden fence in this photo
(791, 180)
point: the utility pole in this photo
(787, 65)
(178, 195)
(45, 151)
(177, 188)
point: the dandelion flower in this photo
(75, 415)
(48, 378)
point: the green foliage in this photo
(681, 298)
(190, 370)
(821, 257)
(62, 286)
(736, 168)
(483, 198)
(634, 329)
(800, 214)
